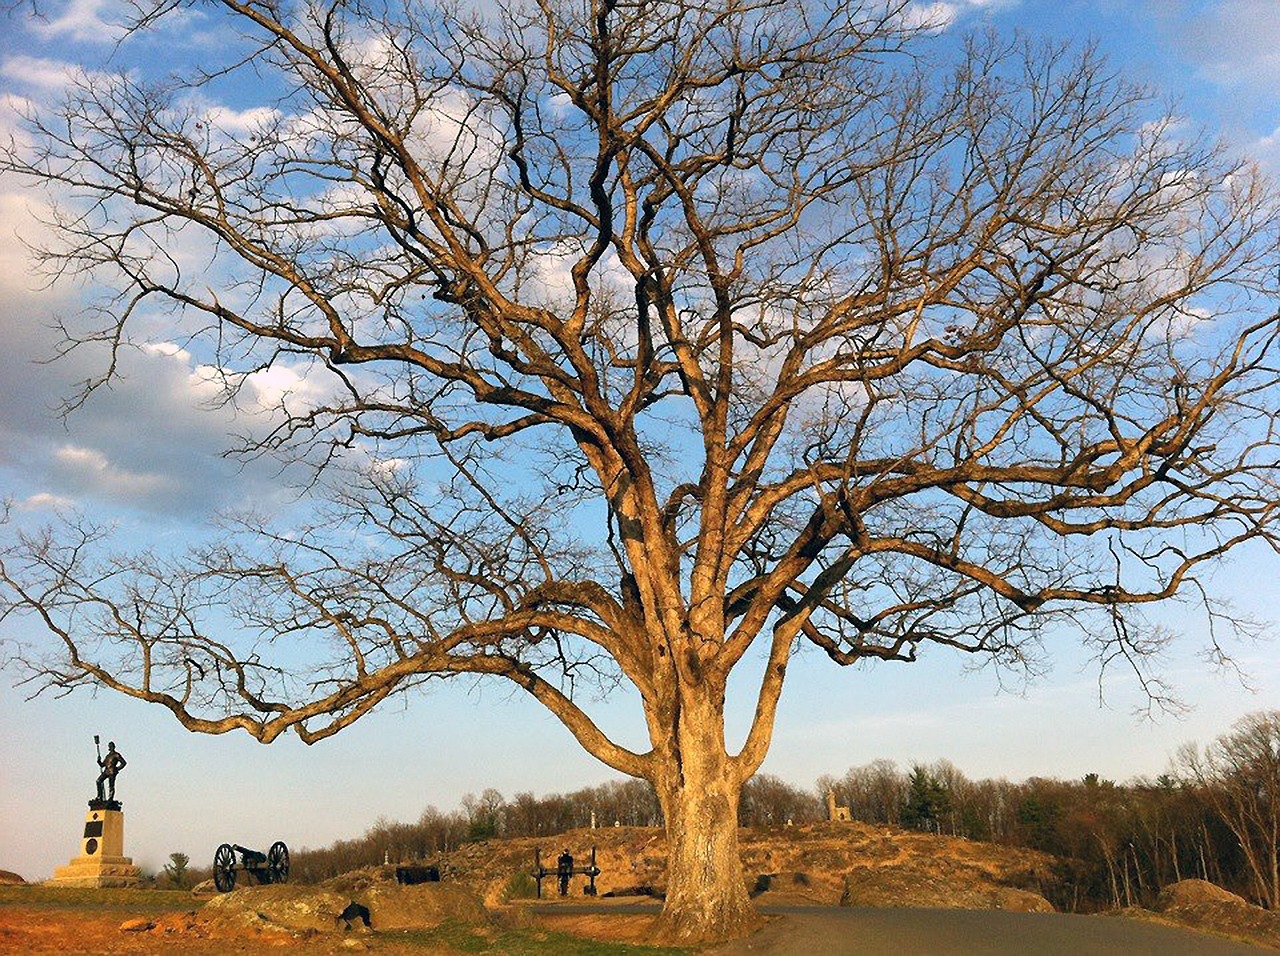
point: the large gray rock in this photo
(300, 908)
(278, 906)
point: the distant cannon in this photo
(564, 870)
(412, 874)
(269, 867)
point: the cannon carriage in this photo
(564, 870)
(269, 867)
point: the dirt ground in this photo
(117, 930)
(45, 931)
(31, 929)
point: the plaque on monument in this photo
(101, 861)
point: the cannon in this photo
(269, 867)
(564, 871)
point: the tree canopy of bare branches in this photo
(642, 335)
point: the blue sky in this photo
(146, 454)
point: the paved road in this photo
(832, 931)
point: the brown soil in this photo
(43, 930)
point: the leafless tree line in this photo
(1214, 816)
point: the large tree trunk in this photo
(699, 789)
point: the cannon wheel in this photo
(278, 862)
(224, 868)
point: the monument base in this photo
(102, 862)
(96, 872)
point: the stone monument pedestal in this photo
(101, 861)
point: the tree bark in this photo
(699, 788)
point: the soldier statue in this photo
(110, 764)
(564, 870)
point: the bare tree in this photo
(874, 793)
(767, 800)
(667, 333)
(486, 814)
(1238, 775)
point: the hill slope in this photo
(823, 863)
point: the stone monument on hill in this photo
(835, 812)
(101, 861)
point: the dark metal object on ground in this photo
(564, 870)
(354, 911)
(414, 874)
(269, 867)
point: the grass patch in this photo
(100, 900)
(464, 938)
(521, 886)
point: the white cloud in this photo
(169, 349)
(283, 385)
(152, 441)
(1267, 151)
(240, 122)
(89, 470)
(88, 21)
(939, 15)
(930, 16)
(44, 501)
(39, 72)
(20, 215)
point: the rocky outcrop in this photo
(806, 863)
(1205, 906)
(295, 908)
(1194, 893)
(277, 906)
(954, 887)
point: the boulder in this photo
(276, 906)
(8, 878)
(420, 906)
(315, 908)
(1194, 893)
